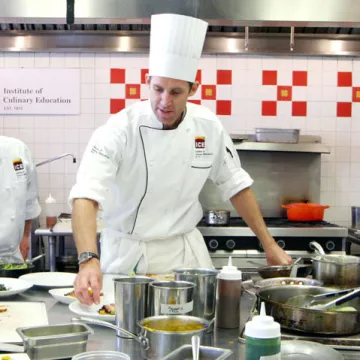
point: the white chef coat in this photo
(147, 182)
(18, 196)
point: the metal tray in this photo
(47, 342)
(288, 136)
(206, 353)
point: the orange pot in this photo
(305, 212)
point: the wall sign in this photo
(40, 91)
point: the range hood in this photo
(306, 27)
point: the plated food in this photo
(66, 295)
(11, 286)
(108, 309)
(94, 311)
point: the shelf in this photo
(300, 147)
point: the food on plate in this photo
(6, 357)
(3, 288)
(108, 309)
(3, 308)
(173, 325)
(13, 266)
(162, 277)
(72, 293)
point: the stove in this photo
(238, 240)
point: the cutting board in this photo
(20, 314)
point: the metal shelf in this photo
(300, 147)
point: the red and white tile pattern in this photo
(127, 88)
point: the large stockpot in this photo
(217, 217)
(308, 320)
(155, 344)
(337, 270)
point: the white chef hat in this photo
(176, 43)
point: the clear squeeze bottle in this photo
(262, 338)
(51, 212)
(228, 297)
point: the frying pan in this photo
(15, 273)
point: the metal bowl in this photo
(268, 272)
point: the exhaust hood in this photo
(307, 27)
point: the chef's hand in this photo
(275, 255)
(89, 276)
(25, 246)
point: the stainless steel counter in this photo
(105, 339)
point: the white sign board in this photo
(40, 91)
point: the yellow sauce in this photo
(173, 325)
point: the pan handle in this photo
(143, 341)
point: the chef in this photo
(18, 200)
(144, 170)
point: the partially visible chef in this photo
(144, 169)
(18, 199)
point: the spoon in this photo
(341, 300)
(195, 343)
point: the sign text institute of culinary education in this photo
(40, 91)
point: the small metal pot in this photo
(155, 344)
(217, 217)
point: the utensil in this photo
(195, 343)
(306, 320)
(206, 352)
(339, 301)
(308, 300)
(217, 217)
(317, 248)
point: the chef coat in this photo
(147, 181)
(18, 196)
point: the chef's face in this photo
(168, 98)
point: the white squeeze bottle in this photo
(228, 297)
(51, 212)
(262, 338)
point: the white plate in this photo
(59, 295)
(14, 286)
(307, 350)
(90, 311)
(50, 279)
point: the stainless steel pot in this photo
(217, 217)
(308, 320)
(355, 217)
(337, 270)
(155, 344)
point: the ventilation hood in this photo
(306, 27)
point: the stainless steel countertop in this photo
(106, 339)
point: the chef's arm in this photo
(25, 241)
(247, 207)
(84, 225)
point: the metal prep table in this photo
(106, 339)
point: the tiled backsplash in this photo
(320, 96)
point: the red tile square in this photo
(300, 78)
(116, 105)
(344, 79)
(117, 76)
(356, 94)
(208, 92)
(343, 109)
(299, 108)
(197, 102)
(132, 91)
(224, 77)
(198, 76)
(223, 107)
(284, 93)
(268, 108)
(269, 77)
(143, 73)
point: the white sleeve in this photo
(99, 165)
(227, 172)
(33, 208)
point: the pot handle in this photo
(143, 341)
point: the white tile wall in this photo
(49, 136)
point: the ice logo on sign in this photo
(200, 142)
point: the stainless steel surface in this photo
(355, 217)
(131, 301)
(204, 292)
(272, 135)
(217, 217)
(298, 148)
(195, 344)
(210, 353)
(56, 158)
(171, 297)
(105, 339)
(48, 342)
(308, 320)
